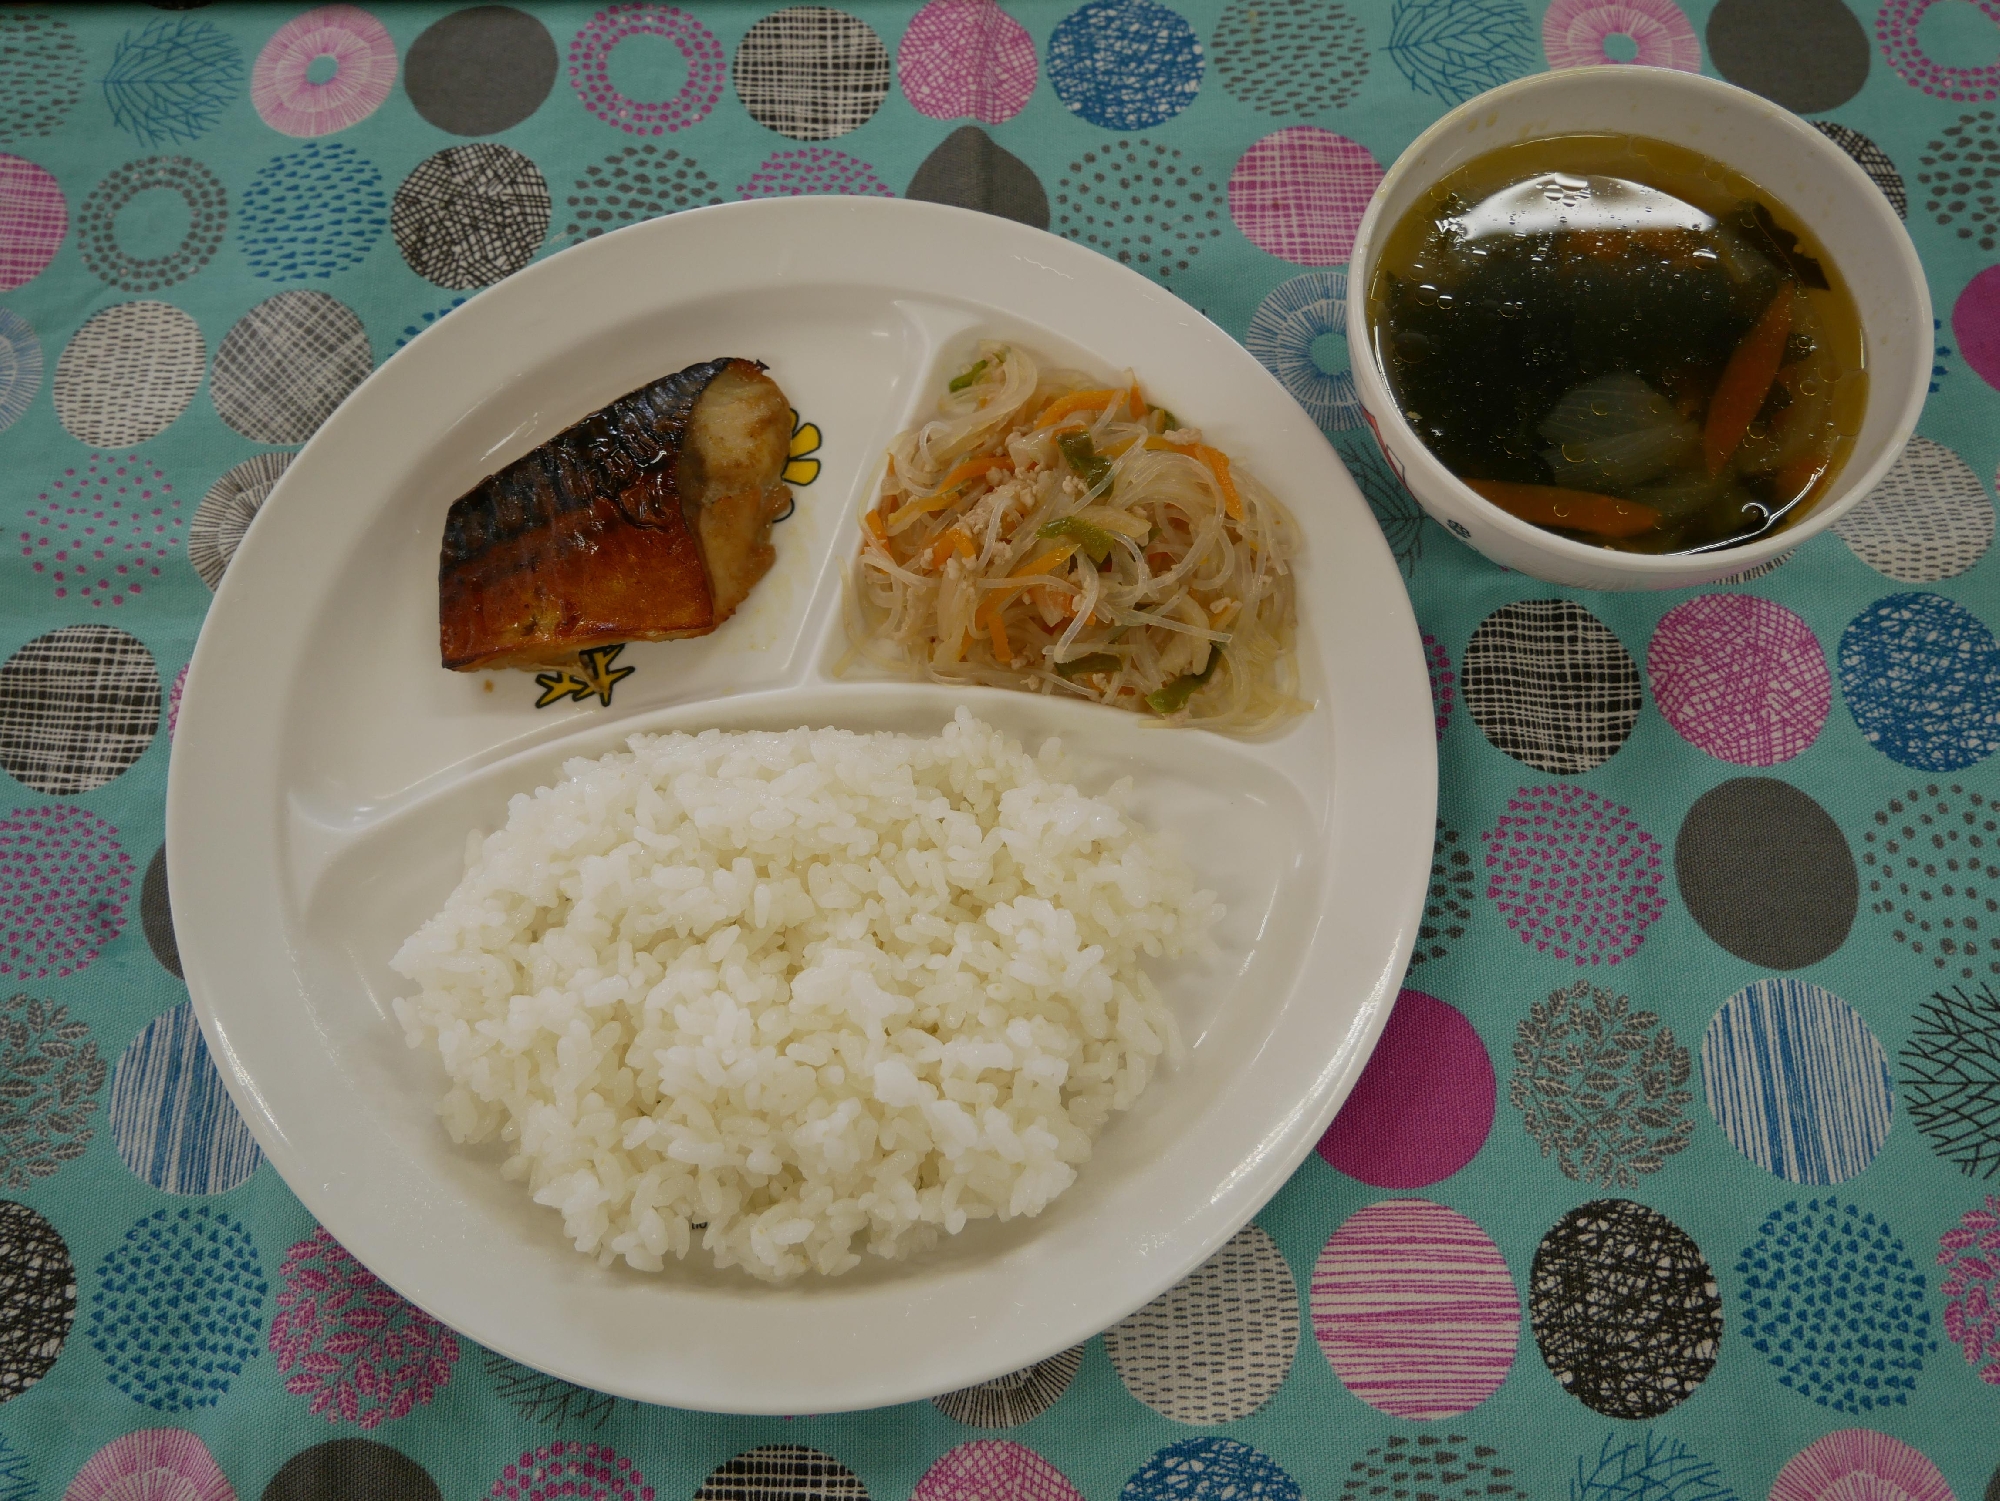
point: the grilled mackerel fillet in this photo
(648, 520)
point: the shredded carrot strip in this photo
(1746, 381)
(996, 631)
(1573, 510)
(1076, 401)
(1048, 562)
(1138, 407)
(922, 507)
(1218, 465)
(977, 468)
(874, 523)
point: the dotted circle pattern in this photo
(312, 213)
(588, 1472)
(208, 219)
(178, 1307)
(1291, 58)
(1933, 863)
(590, 68)
(41, 73)
(63, 885)
(815, 169)
(1928, 519)
(1896, 28)
(1142, 203)
(1574, 874)
(98, 533)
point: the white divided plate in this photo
(326, 771)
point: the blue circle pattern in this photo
(312, 212)
(171, 1118)
(20, 367)
(1453, 49)
(170, 80)
(1281, 335)
(179, 1308)
(1796, 1079)
(1210, 1469)
(1125, 64)
(1921, 675)
(1832, 1299)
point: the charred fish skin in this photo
(601, 534)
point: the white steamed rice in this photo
(800, 993)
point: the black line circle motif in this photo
(811, 72)
(78, 707)
(38, 1290)
(468, 215)
(208, 219)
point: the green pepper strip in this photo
(1084, 666)
(1082, 455)
(1173, 698)
(1095, 541)
(960, 382)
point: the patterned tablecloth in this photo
(1677, 1175)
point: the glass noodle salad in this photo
(1044, 531)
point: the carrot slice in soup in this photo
(1746, 381)
(1573, 510)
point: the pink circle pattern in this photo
(967, 57)
(170, 1464)
(590, 68)
(1299, 194)
(816, 169)
(34, 217)
(1415, 1309)
(992, 1469)
(350, 1342)
(1975, 319)
(174, 701)
(364, 60)
(98, 534)
(63, 882)
(1444, 682)
(1969, 1252)
(1423, 1107)
(1741, 678)
(1859, 1464)
(1574, 33)
(1896, 30)
(572, 1471)
(1574, 874)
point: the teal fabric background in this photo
(1871, 1221)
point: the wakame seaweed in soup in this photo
(1622, 341)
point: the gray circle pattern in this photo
(1767, 873)
(481, 70)
(208, 219)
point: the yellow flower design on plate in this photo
(801, 468)
(592, 677)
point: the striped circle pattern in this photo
(225, 513)
(1415, 1310)
(991, 1469)
(1626, 1309)
(20, 367)
(78, 707)
(171, 1117)
(1797, 1081)
(156, 1464)
(1013, 1399)
(1550, 685)
(1282, 332)
(1862, 1464)
(364, 60)
(1218, 1345)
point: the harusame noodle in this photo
(1050, 532)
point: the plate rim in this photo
(192, 786)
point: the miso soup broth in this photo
(1622, 341)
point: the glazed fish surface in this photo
(648, 520)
